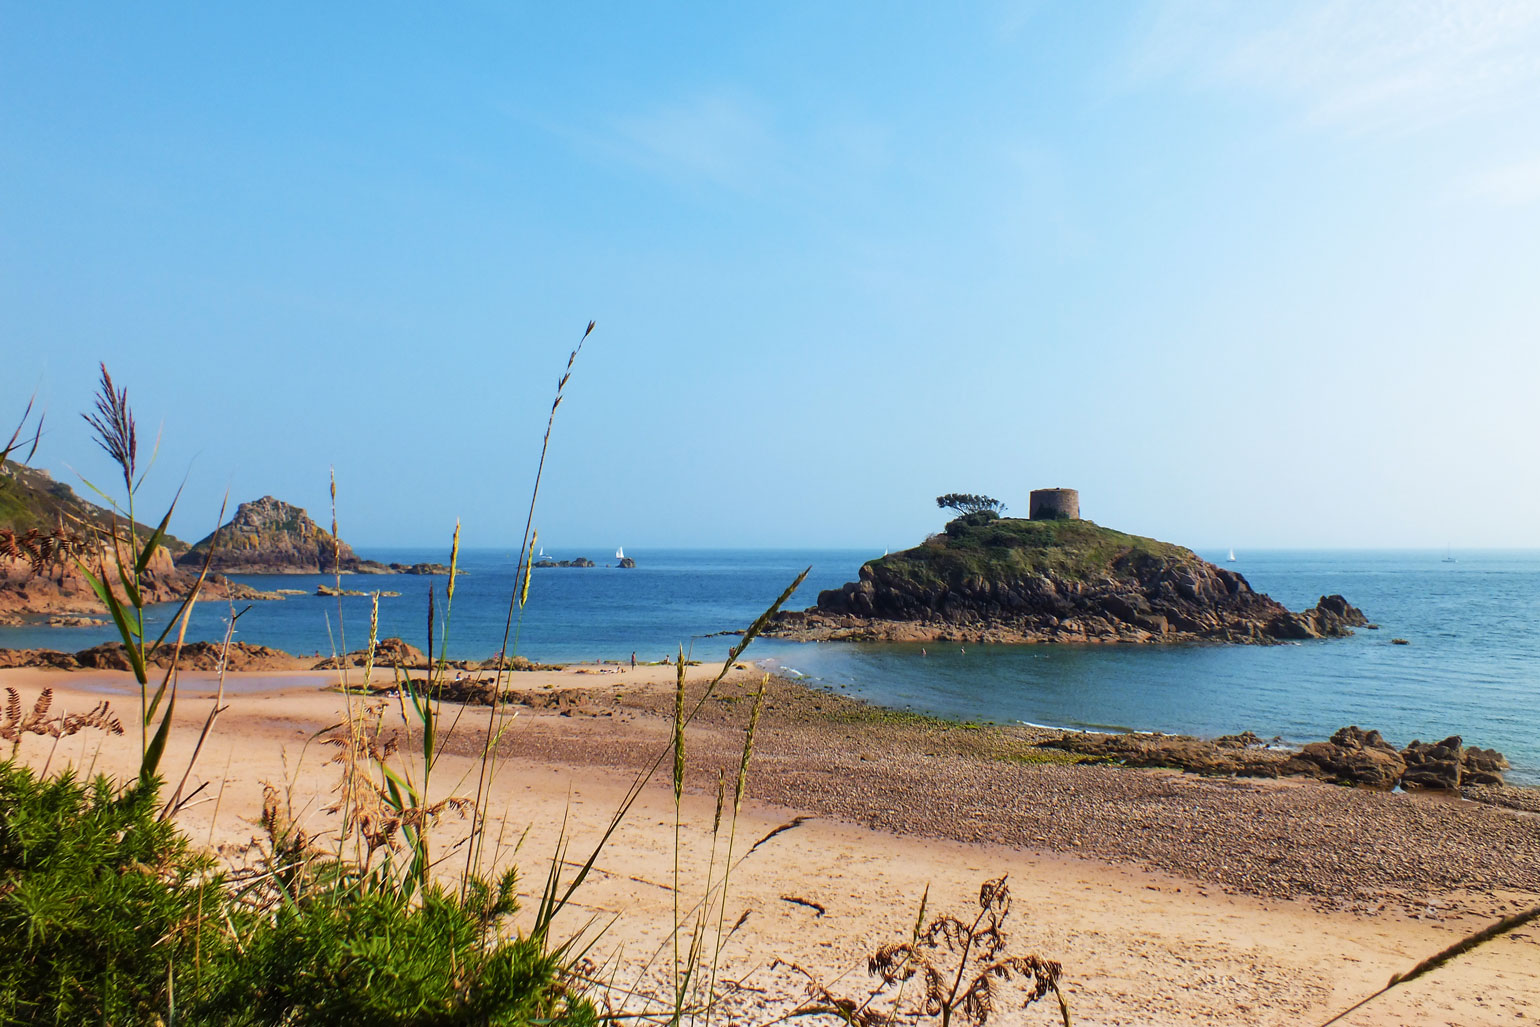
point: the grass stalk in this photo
(473, 851)
(1492, 931)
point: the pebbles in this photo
(835, 757)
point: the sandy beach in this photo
(1168, 898)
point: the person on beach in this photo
(633, 659)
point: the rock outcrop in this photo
(269, 536)
(1352, 756)
(39, 514)
(1007, 580)
(388, 652)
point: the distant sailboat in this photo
(1231, 558)
(620, 552)
(542, 551)
(1449, 554)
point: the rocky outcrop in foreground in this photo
(1352, 757)
(1014, 581)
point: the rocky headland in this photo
(47, 530)
(1008, 580)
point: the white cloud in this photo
(1394, 66)
(721, 137)
(1516, 184)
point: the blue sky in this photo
(1251, 275)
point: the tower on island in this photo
(1054, 505)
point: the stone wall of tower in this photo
(1054, 505)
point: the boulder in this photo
(388, 652)
(1352, 757)
(1436, 765)
(1482, 767)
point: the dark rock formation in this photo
(376, 567)
(269, 536)
(388, 652)
(626, 562)
(1449, 765)
(581, 561)
(1353, 756)
(194, 656)
(1011, 580)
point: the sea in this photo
(1470, 620)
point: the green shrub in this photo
(108, 915)
(105, 911)
(347, 950)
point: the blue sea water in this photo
(1472, 668)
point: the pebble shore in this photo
(826, 755)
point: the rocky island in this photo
(269, 536)
(1054, 577)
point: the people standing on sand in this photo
(633, 659)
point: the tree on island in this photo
(966, 504)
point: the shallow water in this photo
(1474, 628)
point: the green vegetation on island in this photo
(981, 546)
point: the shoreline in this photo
(1522, 783)
(1170, 898)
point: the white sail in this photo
(620, 552)
(1232, 556)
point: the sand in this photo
(1167, 898)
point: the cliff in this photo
(1008, 580)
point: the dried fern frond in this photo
(40, 549)
(14, 724)
(1042, 975)
(283, 837)
(948, 930)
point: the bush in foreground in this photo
(108, 915)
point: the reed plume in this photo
(113, 424)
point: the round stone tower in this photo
(1054, 505)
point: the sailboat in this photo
(1231, 558)
(620, 552)
(1449, 554)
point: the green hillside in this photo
(30, 498)
(978, 547)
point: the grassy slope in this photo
(31, 499)
(1010, 549)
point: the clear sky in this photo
(1250, 274)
